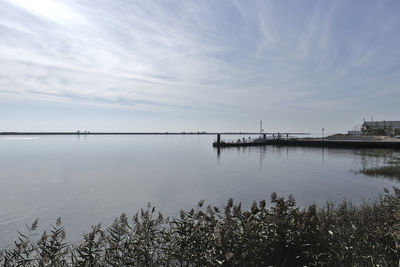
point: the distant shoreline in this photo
(138, 133)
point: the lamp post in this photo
(323, 133)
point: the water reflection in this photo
(366, 157)
(279, 151)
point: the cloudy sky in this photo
(198, 65)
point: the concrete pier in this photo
(314, 142)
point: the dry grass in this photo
(281, 234)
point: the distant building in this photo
(388, 128)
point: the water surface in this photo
(91, 179)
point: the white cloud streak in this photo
(204, 55)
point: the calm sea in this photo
(92, 179)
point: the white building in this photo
(381, 127)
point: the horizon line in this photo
(145, 133)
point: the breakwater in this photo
(312, 142)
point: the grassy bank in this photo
(280, 234)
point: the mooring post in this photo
(265, 136)
(218, 138)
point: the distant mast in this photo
(261, 128)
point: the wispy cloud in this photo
(220, 56)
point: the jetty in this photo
(287, 140)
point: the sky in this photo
(299, 66)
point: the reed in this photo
(278, 234)
(391, 171)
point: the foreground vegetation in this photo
(280, 234)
